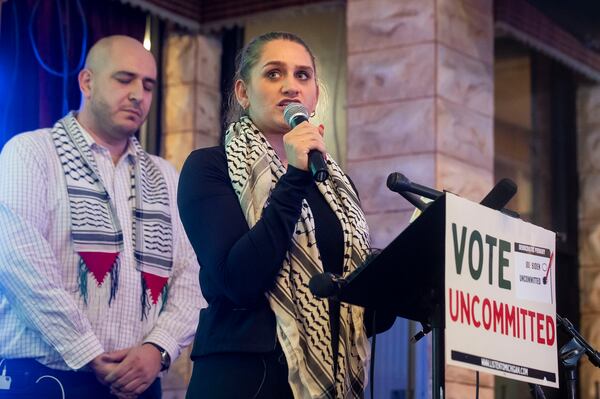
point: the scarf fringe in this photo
(83, 273)
(114, 280)
(83, 279)
(164, 296)
(146, 300)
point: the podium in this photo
(443, 253)
(420, 286)
(415, 292)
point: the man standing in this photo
(98, 283)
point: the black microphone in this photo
(399, 183)
(326, 285)
(499, 196)
(294, 114)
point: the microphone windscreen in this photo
(397, 182)
(322, 285)
(294, 114)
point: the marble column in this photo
(588, 138)
(420, 101)
(192, 97)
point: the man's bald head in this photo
(110, 48)
(116, 86)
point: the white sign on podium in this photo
(500, 297)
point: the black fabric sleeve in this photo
(236, 262)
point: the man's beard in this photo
(104, 120)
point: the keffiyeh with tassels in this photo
(302, 319)
(95, 228)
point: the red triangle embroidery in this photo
(155, 284)
(99, 263)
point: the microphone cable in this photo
(372, 365)
(372, 255)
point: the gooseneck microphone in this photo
(399, 183)
(499, 196)
(496, 199)
(294, 114)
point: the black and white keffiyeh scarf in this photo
(302, 319)
(95, 229)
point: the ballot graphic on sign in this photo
(533, 267)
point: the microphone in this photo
(399, 183)
(326, 285)
(499, 196)
(294, 114)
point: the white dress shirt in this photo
(42, 313)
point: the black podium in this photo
(407, 278)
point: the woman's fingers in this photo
(300, 141)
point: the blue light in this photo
(9, 60)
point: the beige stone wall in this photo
(588, 138)
(391, 105)
(192, 99)
(191, 110)
(465, 96)
(420, 101)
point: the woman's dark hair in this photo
(247, 59)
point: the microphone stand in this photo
(536, 391)
(571, 352)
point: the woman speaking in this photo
(261, 228)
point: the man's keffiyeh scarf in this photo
(95, 229)
(303, 327)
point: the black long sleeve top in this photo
(239, 264)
